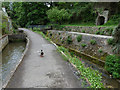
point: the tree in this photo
(57, 16)
(27, 13)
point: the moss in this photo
(87, 57)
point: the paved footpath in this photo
(50, 71)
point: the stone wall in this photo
(17, 37)
(91, 30)
(3, 42)
(99, 51)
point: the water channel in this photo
(106, 79)
(10, 58)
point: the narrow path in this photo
(51, 71)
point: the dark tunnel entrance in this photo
(101, 20)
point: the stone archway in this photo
(101, 20)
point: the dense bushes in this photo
(114, 20)
(112, 65)
(56, 16)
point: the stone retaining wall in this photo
(17, 37)
(91, 30)
(99, 51)
(3, 42)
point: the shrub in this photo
(110, 41)
(102, 32)
(83, 31)
(97, 32)
(112, 65)
(72, 54)
(69, 40)
(100, 51)
(60, 37)
(79, 38)
(93, 42)
(83, 45)
(109, 30)
(57, 15)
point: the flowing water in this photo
(10, 58)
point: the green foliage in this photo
(83, 31)
(114, 20)
(72, 54)
(116, 35)
(27, 13)
(93, 42)
(110, 41)
(55, 15)
(112, 65)
(4, 25)
(69, 40)
(93, 76)
(14, 31)
(57, 27)
(102, 32)
(100, 50)
(79, 38)
(83, 45)
(63, 49)
(109, 30)
(36, 13)
(14, 25)
(97, 32)
(44, 36)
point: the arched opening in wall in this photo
(101, 20)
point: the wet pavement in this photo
(50, 71)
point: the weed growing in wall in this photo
(93, 42)
(83, 31)
(79, 38)
(83, 45)
(100, 50)
(110, 41)
(97, 32)
(69, 40)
